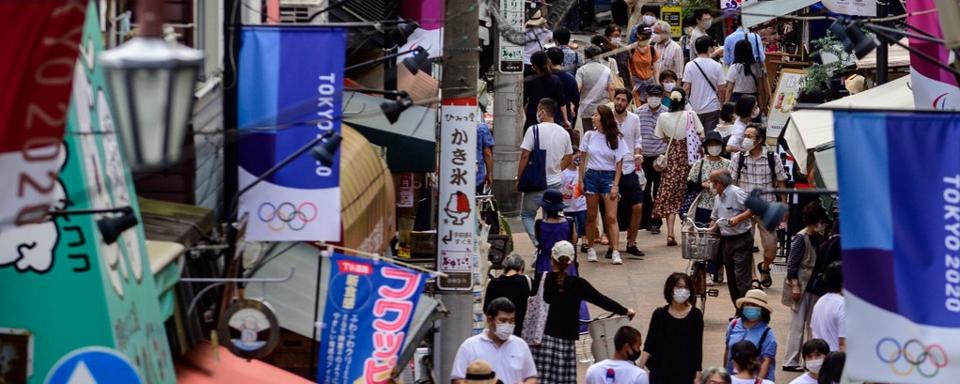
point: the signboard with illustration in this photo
(80, 291)
(784, 99)
(456, 224)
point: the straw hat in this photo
(536, 20)
(480, 372)
(756, 297)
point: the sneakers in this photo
(634, 252)
(591, 255)
(616, 258)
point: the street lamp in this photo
(152, 84)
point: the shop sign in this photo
(510, 55)
(456, 224)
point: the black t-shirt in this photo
(539, 87)
(515, 288)
(675, 346)
(563, 321)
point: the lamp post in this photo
(152, 83)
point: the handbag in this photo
(660, 163)
(535, 321)
(534, 177)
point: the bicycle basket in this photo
(699, 245)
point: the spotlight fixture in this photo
(393, 108)
(418, 60)
(852, 37)
(326, 151)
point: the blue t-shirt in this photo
(484, 140)
(736, 332)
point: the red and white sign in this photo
(39, 47)
(456, 224)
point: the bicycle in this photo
(699, 245)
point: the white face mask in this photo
(681, 295)
(705, 24)
(504, 331)
(654, 101)
(756, 112)
(814, 365)
(747, 144)
(714, 150)
(668, 86)
(649, 20)
(615, 40)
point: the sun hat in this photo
(552, 200)
(712, 136)
(562, 248)
(756, 297)
(536, 20)
(480, 372)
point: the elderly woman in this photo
(715, 375)
(513, 285)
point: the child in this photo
(575, 200)
(814, 351)
(553, 227)
(727, 118)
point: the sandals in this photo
(671, 241)
(755, 284)
(765, 279)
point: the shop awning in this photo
(759, 12)
(205, 365)
(897, 56)
(409, 141)
(812, 130)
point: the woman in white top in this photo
(672, 128)
(745, 364)
(744, 75)
(746, 110)
(602, 152)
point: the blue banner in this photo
(899, 179)
(290, 90)
(367, 313)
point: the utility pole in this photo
(508, 110)
(457, 184)
(883, 47)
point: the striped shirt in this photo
(651, 145)
(756, 172)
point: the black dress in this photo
(515, 288)
(675, 346)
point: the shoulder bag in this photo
(534, 177)
(660, 163)
(535, 321)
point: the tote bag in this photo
(536, 319)
(534, 177)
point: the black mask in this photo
(634, 355)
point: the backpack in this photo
(771, 162)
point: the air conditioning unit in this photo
(299, 11)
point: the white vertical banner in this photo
(456, 222)
(510, 55)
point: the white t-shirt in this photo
(736, 134)
(512, 361)
(630, 129)
(599, 155)
(737, 380)
(743, 82)
(674, 125)
(703, 98)
(624, 372)
(573, 197)
(804, 379)
(556, 141)
(827, 321)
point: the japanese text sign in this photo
(457, 185)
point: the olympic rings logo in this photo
(926, 360)
(287, 215)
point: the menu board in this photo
(784, 99)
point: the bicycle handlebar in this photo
(693, 224)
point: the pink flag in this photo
(933, 87)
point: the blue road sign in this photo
(93, 365)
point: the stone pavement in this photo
(638, 284)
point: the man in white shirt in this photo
(595, 84)
(830, 312)
(555, 140)
(620, 368)
(671, 54)
(704, 20)
(508, 355)
(631, 188)
(704, 82)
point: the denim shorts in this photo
(598, 182)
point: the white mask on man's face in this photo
(615, 40)
(747, 144)
(654, 101)
(649, 20)
(705, 24)
(504, 330)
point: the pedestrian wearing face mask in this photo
(671, 54)
(643, 70)
(746, 110)
(556, 356)
(703, 19)
(699, 175)
(673, 352)
(668, 80)
(798, 295)
(508, 355)
(752, 324)
(615, 41)
(814, 352)
(620, 368)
